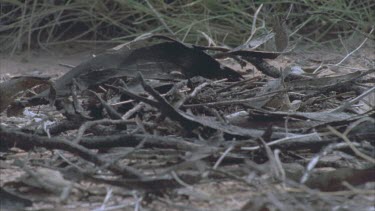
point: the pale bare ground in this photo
(49, 61)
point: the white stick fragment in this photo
(306, 137)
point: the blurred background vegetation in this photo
(26, 24)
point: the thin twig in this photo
(360, 46)
(351, 102)
(89, 124)
(253, 27)
(351, 145)
(286, 139)
(222, 157)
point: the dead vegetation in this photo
(159, 124)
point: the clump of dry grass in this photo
(25, 24)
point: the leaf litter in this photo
(159, 123)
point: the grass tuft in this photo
(26, 24)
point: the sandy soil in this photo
(44, 62)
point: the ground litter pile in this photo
(161, 124)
